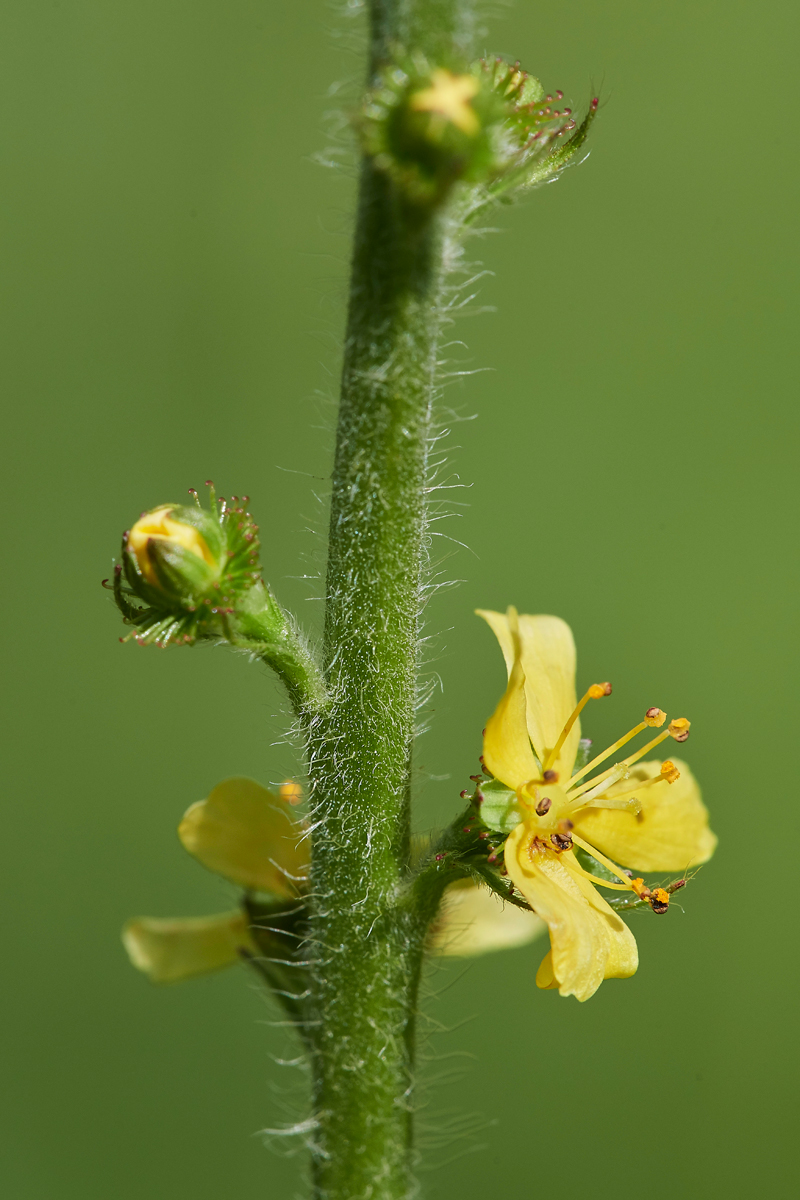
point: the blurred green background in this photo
(174, 269)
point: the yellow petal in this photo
(158, 524)
(670, 833)
(548, 663)
(506, 745)
(171, 949)
(474, 920)
(250, 836)
(589, 942)
(545, 978)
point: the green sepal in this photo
(280, 930)
(501, 885)
(500, 808)
(182, 575)
(563, 155)
(207, 525)
(130, 612)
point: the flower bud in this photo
(164, 537)
(190, 566)
(427, 127)
(490, 124)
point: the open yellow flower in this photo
(648, 817)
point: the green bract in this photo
(500, 808)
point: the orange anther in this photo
(679, 729)
(597, 690)
(655, 716)
(670, 772)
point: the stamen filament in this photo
(607, 753)
(576, 868)
(607, 863)
(594, 787)
(643, 783)
(626, 762)
(593, 693)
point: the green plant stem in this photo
(264, 628)
(366, 937)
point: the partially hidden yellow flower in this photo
(473, 920)
(645, 816)
(251, 837)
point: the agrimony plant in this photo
(340, 905)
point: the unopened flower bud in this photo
(190, 566)
(427, 127)
(175, 548)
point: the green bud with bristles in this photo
(490, 126)
(192, 568)
(428, 127)
(192, 574)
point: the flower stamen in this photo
(651, 717)
(577, 869)
(595, 692)
(607, 863)
(678, 729)
(669, 773)
(658, 898)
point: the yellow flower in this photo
(449, 96)
(159, 525)
(250, 837)
(649, 816)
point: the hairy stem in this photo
(366, 938)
